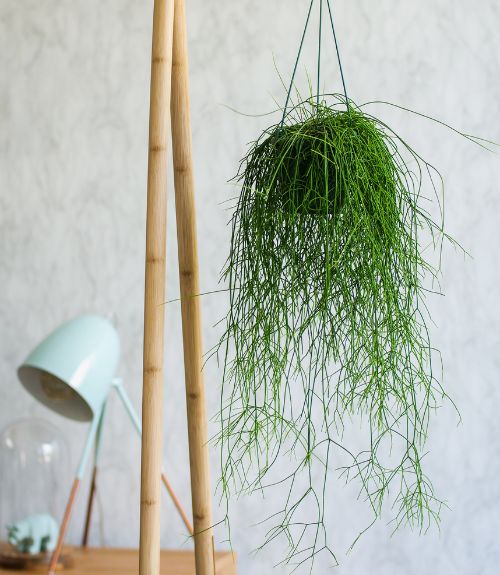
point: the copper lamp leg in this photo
(177, 503)
(62, 531)
(76, 483)
(134, 418)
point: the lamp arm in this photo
(93, 480)
(98, 435)
(87, 448)
(117, 383)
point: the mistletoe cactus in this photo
(328, 276)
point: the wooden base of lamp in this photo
(106, 561)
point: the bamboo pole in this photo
(189, 287)
(154, 296)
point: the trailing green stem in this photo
(327, 319)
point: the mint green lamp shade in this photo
(72, 369)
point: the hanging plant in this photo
(327, 318)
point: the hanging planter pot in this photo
(327, 319)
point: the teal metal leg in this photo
(87, 448)
(94, 426)
(98, 435)
(129, 408)
(93, 480)
(127, 404)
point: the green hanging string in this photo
(320, 32)
(297, 62)
(318, 79)
(338, 52)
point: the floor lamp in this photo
(72, 372)
(169, 107)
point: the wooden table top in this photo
(106, 561)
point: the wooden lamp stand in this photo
(169, 100)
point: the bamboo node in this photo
(152, 369)
(155, 259)
(186, 273)
(158, 148)
(181, 170)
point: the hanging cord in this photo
(338, 53)
(290, 88)
(297, 62)
(320, 33)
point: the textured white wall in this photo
(73, 139)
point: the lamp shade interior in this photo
(54, 393)
(71, 370)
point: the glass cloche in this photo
(33, 481)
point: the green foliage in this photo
(327, 319)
